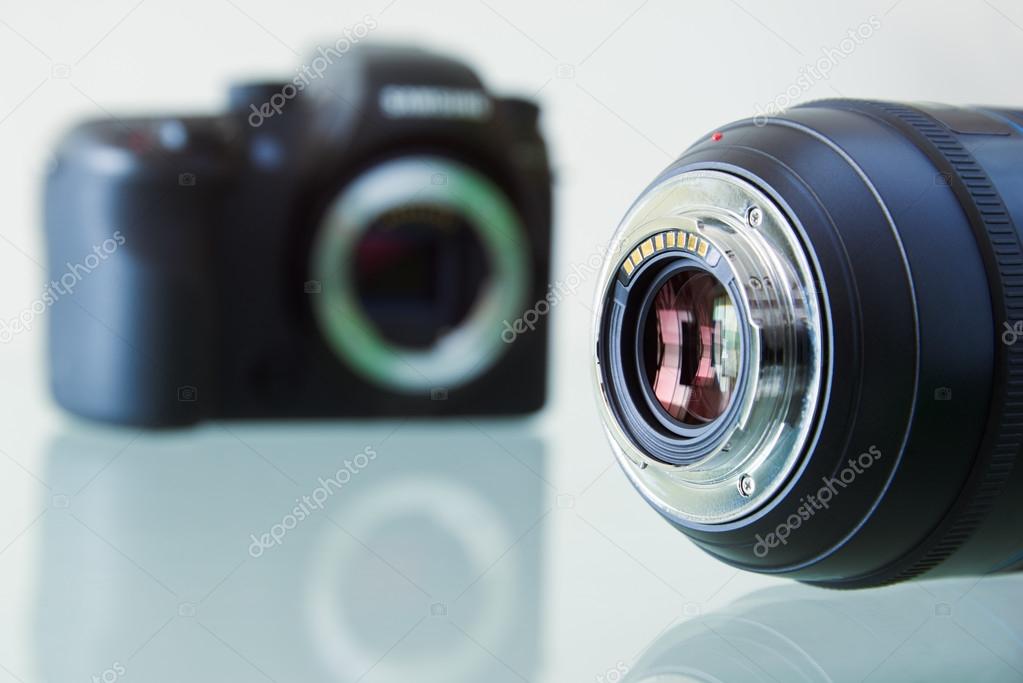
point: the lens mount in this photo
(750, 329)
(434, 183)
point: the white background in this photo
(624, 86)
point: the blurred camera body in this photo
(351, 242)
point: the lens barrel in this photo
(872, 255)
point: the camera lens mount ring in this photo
(700, 220)
(472, 347)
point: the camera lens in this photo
(710, 347)
(692, 347)
(807, 349)
(419, 260)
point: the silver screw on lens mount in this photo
(747, 485)
(739, 459)
(755, 216)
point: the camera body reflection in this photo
(384, 552)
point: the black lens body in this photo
(208, 307)
(911, 215)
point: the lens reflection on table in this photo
(936, 631)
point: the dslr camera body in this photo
(351, 244)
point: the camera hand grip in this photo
(129, 214)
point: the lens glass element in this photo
(692, 346)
